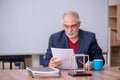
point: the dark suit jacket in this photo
(87, 44)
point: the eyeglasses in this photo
(70, 26)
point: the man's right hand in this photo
(54, 62)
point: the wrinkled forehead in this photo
(70, 19)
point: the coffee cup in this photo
(97, 64)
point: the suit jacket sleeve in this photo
(48, 54)
(96, 51)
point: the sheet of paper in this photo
(66, 56)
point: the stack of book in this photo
(43, 72)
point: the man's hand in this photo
(87, 65)
(54, 62)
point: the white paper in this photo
(66, 56)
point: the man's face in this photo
(71, 26)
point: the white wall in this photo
(25, 25)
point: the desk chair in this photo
(13, 59)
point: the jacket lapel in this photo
(80, 42)
(65, 40)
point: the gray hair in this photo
(72, 13)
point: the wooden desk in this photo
(109, 73)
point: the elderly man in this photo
(73, 37)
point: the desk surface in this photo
(108, 73)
